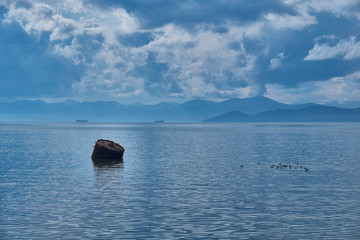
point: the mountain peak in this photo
(197, 102)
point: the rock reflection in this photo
(107, 171)
(106, 164)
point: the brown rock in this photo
(106, 150)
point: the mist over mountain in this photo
(251, 109)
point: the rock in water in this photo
(106, 150)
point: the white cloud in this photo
(34, 20)
(68, 51)
(348, 49)
(277, 62)
(337, 89)
(72, 6)
(273, 22)
(286, 21)
(345, 8)
(110, 23)
(111, 73)
(202, 61)
(85, 19)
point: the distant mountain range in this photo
(307, 114)
(248, 109)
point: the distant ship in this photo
(159, 121)
(81, 121)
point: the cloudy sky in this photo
(293, 51)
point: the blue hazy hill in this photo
(349, 104)
(198, 110)
(308, 114)
(252, 109)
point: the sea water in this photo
(181, 181)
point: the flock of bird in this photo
(290, 166)
(284, 166)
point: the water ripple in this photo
(180, 181)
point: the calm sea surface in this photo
(181, 181)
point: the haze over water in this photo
(209, 181)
